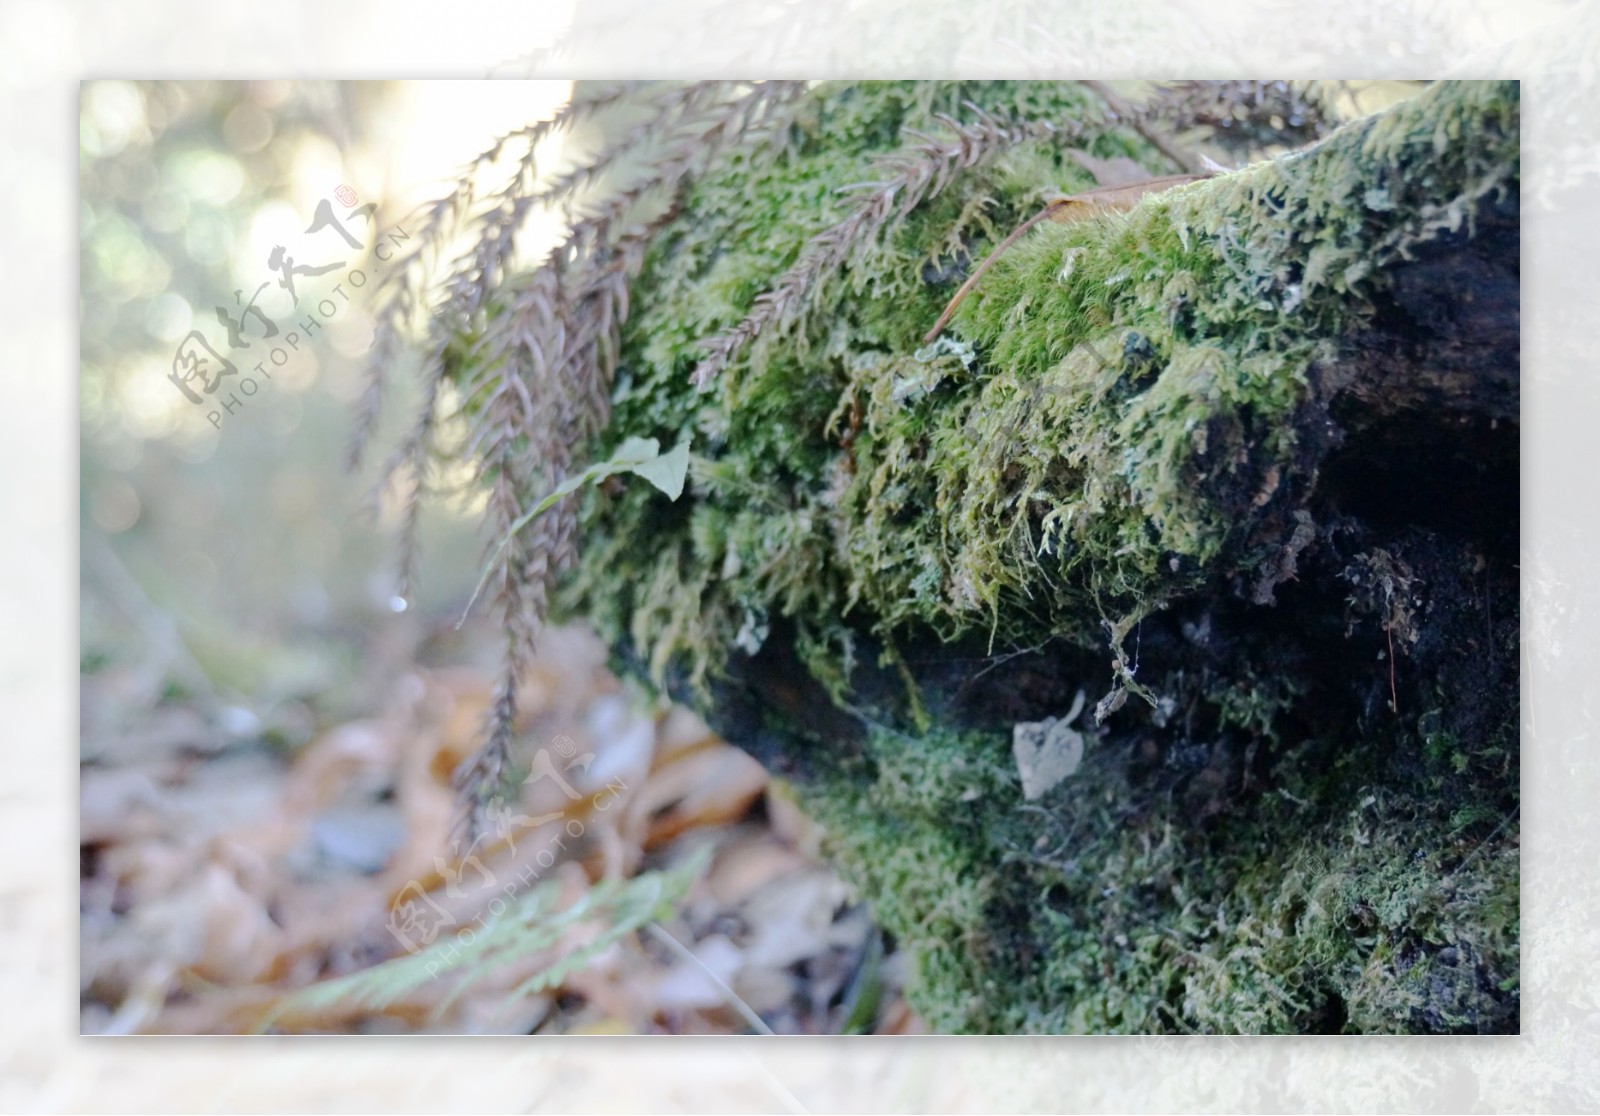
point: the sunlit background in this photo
(248, 521)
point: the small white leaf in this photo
(666, 471)
(641, 456)
(633, 451)
(1046, 752)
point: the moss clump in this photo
(783, 467)
(1134, 445)
(1341, 901)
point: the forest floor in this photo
(221, 873)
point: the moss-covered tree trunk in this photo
(1148, 644)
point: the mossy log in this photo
(1237, 470)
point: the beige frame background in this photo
(47, 47)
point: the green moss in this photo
(1331, 905)
(1112, 413)
(1111, 428)
(777, 486)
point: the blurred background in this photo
(268, 733)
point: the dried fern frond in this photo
(903, 181)
(467, 284)
(548, 365)
(400, 294)
(529, 356)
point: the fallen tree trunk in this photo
(1148, 645)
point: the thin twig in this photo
(748, 1013)
(1394, 694)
